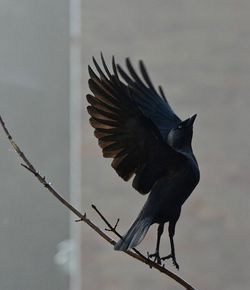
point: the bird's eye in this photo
(180, 126)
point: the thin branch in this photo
(113, 230)
(83, 217)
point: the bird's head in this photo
(180, 137)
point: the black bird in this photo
(136, 126)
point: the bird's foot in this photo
(173, 259)
(157, 259)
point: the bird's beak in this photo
(190, 121)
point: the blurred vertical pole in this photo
(75, 139)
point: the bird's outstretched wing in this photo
(123, 124)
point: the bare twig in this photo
(83, 217)
(112, 229)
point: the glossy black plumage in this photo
(136, 126)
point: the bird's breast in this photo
(178, 183)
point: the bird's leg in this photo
(156, 255)
(171, 231)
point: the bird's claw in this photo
(156, 256)
(170, 256)
(157, 259)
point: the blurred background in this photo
(34, 102)
(198, 51)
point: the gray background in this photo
(199, 52)
(34, 90)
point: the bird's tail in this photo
(134, 235)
